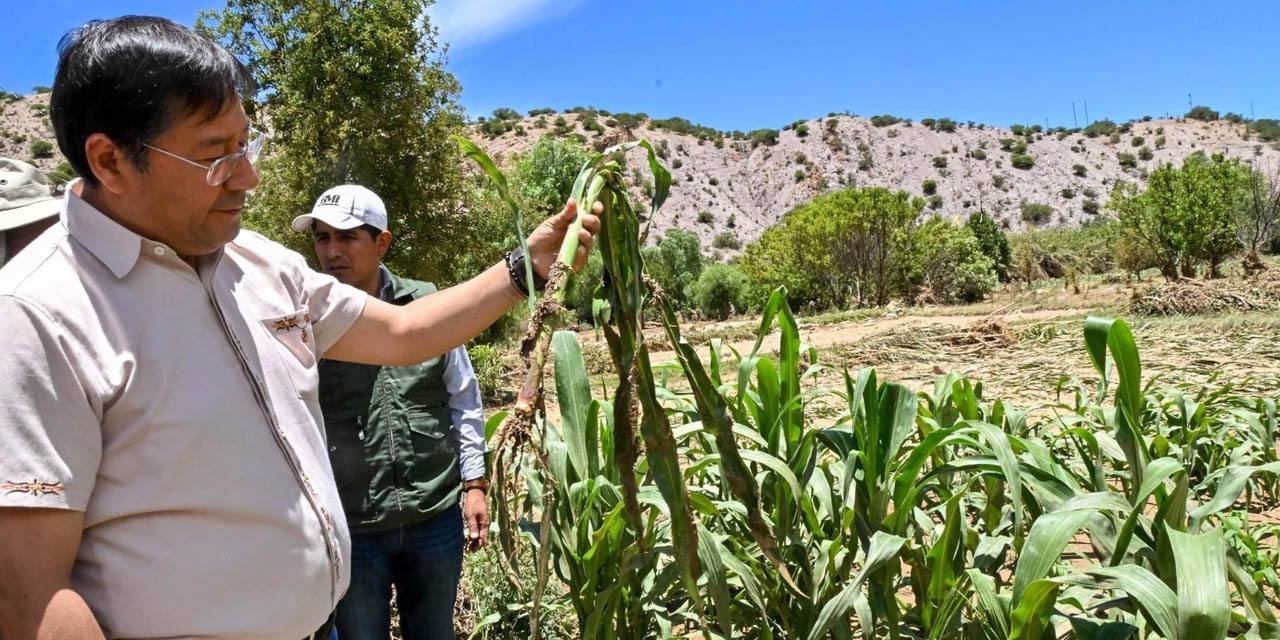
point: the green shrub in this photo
(1079, 170)
(677, 163)
(939, 162)
(1267, 129)
(767, 137)
(992, 242)
(1006, 144)
(1091, 207)
(541, 112)
(1202, 113)
(799, 175)
(832, 123)
(1090, 192)
(726, 240)
(42, 149)
(884, 120)
(1020, 147)
(1145, 154)
(802, 130)
(1127, 160)
(705, 217)
(928, 123)
(952, 264)
(935, 202)
(506, 113)
(63, 174)
(929, 186)
(1160, 142)
(1137, 141)
(1022, 162)
(713, 181)
(801, 158)
(978, 154)
(865, 161)
(1100, 128)
(720, 291)
(41, 89)
(998, 181)
(732, 221)
(1068, 193)
(1036, 213)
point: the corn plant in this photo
(1113, 513)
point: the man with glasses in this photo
(163, 471)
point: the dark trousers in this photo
(423, 561)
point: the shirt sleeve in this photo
(51, 433)
(333, 306)
(466, 411)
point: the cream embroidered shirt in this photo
(176, 408)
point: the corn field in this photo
(704, 497)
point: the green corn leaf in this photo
(1152, 596)
(573, 391)
(884, 549)
(717, 582)
(473, 151)
(1204, 603)
(1031, 616)
(991, 610)
(1228, 489)
(1047, 539)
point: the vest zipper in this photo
(391, 447)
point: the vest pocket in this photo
(435, 449)
(351, 467)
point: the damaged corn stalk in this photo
(620, 301)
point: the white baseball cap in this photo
(345, 206)
(24, 195)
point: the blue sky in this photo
(748, 64)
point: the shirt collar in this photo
(386, 292)
(115, 246)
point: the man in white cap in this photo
(403, 442)
(26, 207)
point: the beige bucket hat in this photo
(24, 195)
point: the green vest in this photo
(392, 441)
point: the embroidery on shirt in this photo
(34, 488)
(285, 324)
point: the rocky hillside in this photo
(742, 187)
(24, 123)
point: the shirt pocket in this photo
(293, 331)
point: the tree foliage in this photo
(719, 291)
(952, 264)
(992, 242)
(847, 247)
(1188, 214)
(676, 264)
(353, 92)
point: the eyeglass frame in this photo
(257, 139)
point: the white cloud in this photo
(463, 23)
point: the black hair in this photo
(373, 231)
(130, 78)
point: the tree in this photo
(1260, 217)
(1187, 215)
(849, 246)
(356, 92)
(719, 291)
(992, 242)
(676, 265)
(1202, 113)
(544, 175)
(952, 265)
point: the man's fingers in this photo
(591, 222)
(566, 216)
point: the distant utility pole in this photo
(1075, 124)
(1251, 116)
(1188, 100)
(1087, 121)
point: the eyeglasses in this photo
(222, 168)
